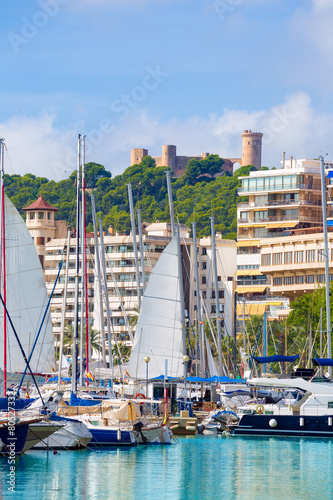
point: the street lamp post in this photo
(146, 360)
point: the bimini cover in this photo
(322, 361)
(275, 359)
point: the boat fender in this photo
(226, 433)
(174, 427)
(119, 434)
(330, 421)
(201, 428)
(260, 409)
(190, 428)
(272, 422)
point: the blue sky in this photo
(142, 73)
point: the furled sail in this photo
(158, 333)
(26, 299)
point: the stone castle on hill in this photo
(251, 155)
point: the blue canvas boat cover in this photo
(214, 380)
(276, 358)
(322, 361)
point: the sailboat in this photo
(159, 330)
(26, 298)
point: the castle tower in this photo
(251, 150)
(169, 156)
(137, 155)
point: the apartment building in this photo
(280, 239)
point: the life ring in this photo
(139, 395)
(260, 409)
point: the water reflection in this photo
(196, 467)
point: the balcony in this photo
(268, 219)
(277, 187)
(277, 203)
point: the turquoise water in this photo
(195, 468)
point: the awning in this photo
(276, 359)
(251, 309)
(322, 361)
(250, 289)
(248, 272)
(253, 224)
(281, 224)
(248, 243)
(274, 303)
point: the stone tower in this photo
(169, 156)
(137, 155)
(251, 150)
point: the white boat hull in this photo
(71, 435)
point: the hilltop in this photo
(203, 190)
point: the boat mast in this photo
(217, 303)
(76, 312)
(98, 270)
(84, 285)
(199, 308)
(142, 254)
(106, 297)
(327, 273)
(172, 217)
(3, 241)
(135, 248)
(63, 315)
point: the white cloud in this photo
(35, 145)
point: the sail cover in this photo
(26, 299)
(158, 333)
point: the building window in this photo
(213, 308)
(40, 240)
(204, 251)
(321, 255)
(321, 278)
(244, 216)
(310, 256)
(40, 215)
(32, 215)
(203, 280)
(310, 278)
(48, 215)
(277, 281)
(204, 265)
(277, 258)
(299, 256)
(299, 280)
(266, 259)
(221, 294)
(288, 258)
(289, 280)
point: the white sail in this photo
(211, 363)
(26, 299)
(158, 333)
